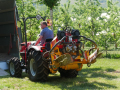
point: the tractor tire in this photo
(37, 68)
(15, 67)
(68, 73)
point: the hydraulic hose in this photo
(73, 36)
(57, 43)
(53, 47)
(91, 41)
(81, 44)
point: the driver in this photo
(46, 33)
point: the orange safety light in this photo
(49, 22)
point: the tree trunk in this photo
(23, 36)
(115, 45)
(106, 46)
(83, 45)
(23, 16)
(92, 31)
(51, 17)
(115, 41)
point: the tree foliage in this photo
(50, 3)
(98, 23)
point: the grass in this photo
(104, 74)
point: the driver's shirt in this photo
(47, 34)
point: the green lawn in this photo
(104, 74)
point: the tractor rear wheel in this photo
(15, 67)
(37, 67)
(68, 73)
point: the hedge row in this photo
(112, 56)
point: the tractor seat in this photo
(48, 40)
(47, 44)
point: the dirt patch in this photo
(116, 72)
(112, 72)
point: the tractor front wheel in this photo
(15, 67)
(68, 73)
(37, 67)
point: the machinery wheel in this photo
(37, 67)
(15, 67)
(68, 73)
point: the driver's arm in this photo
(39, 39)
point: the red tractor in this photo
(62, 53)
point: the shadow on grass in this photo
(87, 79)
(110, 70)
(97, 72)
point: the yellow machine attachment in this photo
(62, 60)
(65, 61)
(71, 59)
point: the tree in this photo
(65, 16)
(88, 21)
(27, 9)
(113, 22)
(51, 4)
(104, 35)
(87, 14)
